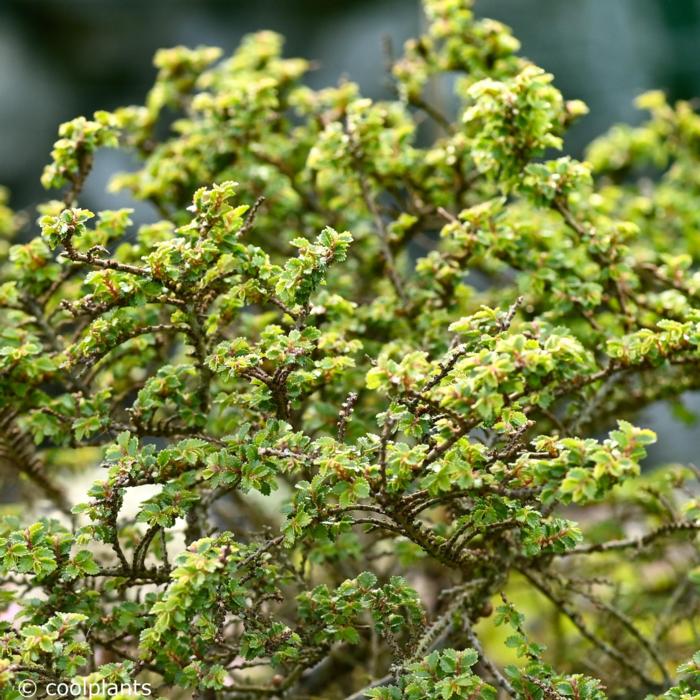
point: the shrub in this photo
(361, 394)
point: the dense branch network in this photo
(356, 391)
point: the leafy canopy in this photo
(362, 391)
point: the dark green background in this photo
(61, 58)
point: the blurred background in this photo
(62, 58)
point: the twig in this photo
(631, 628)
(500, 679)
(575, 617)
(345, 414)
(638, 542)
(362, 693)
(250, 218)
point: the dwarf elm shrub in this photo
(362, 399)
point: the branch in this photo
(17, 449)
(362, 693)
(250, 217)
(576, 618)
(389, 263)
(105, 263)
(637, 542)
(500, 679)
(346, 413)
(632, 629)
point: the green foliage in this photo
(445, 674)
(356, 383)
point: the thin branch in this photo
(105, 263)
(346, 413)
(250, 218)
(632, 629)
(362, 693)
(500, 679)
(636, 542)
(629, 665)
